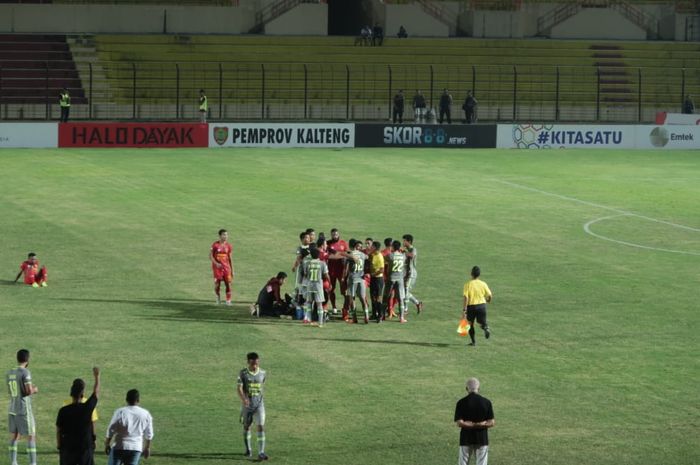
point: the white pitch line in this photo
(587, 228)
(597, 205)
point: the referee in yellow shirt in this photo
(476, 295)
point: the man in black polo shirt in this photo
(74, 434)
(474, 416)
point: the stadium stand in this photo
(34, 68)
(268, 76)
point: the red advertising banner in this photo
(133, 135)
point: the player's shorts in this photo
(478, 313)
(398, 288)
(358, 288)
(253, 414)
(315, 294)
(222, 274)
(376, 287)
(411, 282)
(22, 424)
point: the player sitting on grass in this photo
(34, 275)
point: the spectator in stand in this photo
(378, 35)
(469, 108)
(398, 107)
(419, 107)
(64, 102)
(445, 106)
(402, 33)
(688, 105)
(270, 301)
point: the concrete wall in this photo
(143, 19)
(497, 24)
(306, 19)
(417, 22)
(607, 24)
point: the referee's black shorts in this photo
(478, 313)
(376, 287)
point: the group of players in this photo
(323, 265)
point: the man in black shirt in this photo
(474, 416)
(446, 106)
(397, 114)
(74, 435)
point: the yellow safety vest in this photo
(64, 100)
(203, 104)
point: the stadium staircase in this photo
(273, 11)
(567, 10)
(33, 69)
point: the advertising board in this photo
(281, 135)
(553, 136)
(151, 135)
(425, 135)
(29, 135)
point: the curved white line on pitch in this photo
(596, 205)
(587, 228)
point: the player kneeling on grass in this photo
(250, 389)
(34, 274)
(270, 301)
(476, 295)
(315, 272)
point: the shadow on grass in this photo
(190, 310)
(390, 341)
(7, 282)
(203, 456)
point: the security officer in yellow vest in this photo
(203, 106)
(64, 102)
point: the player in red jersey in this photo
(222, 265)
(34, 275)
(336, 267)
(391, 304)
(323, 255)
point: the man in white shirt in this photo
(132, 430)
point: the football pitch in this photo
(593, 258)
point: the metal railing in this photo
(237, 91)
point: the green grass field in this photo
(593, 357)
